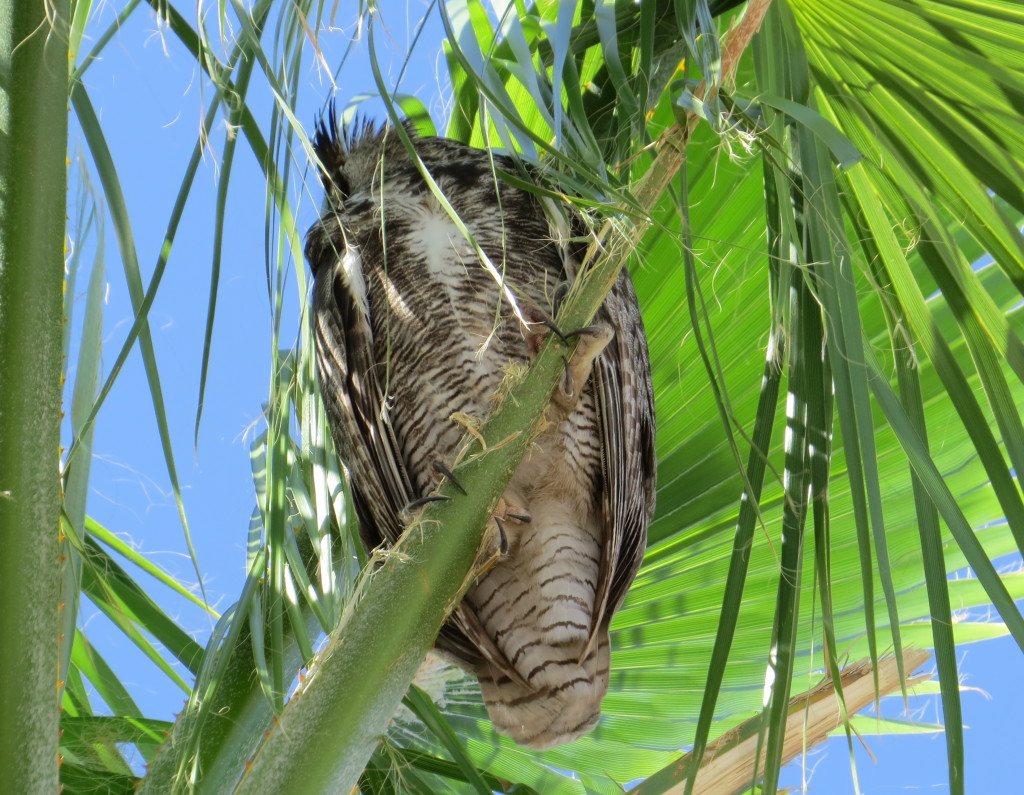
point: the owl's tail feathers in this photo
(564, 702)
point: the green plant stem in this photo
(33, 184)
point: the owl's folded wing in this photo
(625, 405)
(355, 401)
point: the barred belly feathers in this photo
(411, 329)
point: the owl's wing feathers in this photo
(367, 442)
(625, 410)
(627, 404)
(348, 373)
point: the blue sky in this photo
(150, 98)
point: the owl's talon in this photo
(561, 291)
(566, 336)
(535, 338)
(568, 386)
(587, 331)
(502, 538)
(491, 549)
(510, 512)
(439, 467)
(498, 548)
(412, 506)
(551, 325)
(533, 317)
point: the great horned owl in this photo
(410, 330)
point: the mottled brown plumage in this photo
(411, 329)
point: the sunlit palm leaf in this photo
(689, 484)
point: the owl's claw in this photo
(551, 325)
(441, 469)
(561, 291)
(592, 340)
(566, 336)
(412, 506)
(510, 512)
(533, 317)
(502, 538)
(493, 549)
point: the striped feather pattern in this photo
(410, 329)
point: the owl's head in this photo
(350, 157)
(350, 154)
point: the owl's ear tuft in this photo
(330, 149)
(363, 131)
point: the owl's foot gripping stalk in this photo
(592, 340)
(500, 535)
(502, 513)
(495, 543)
(440, 468)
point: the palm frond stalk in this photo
(33, 183)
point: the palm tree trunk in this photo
(33, 182)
